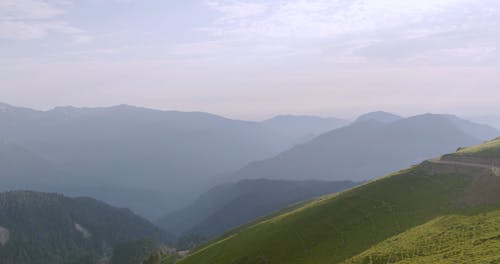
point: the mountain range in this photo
(260, 177)
(22, 169)
(154, 161)
(444, 210)
(303, 128)
(492, 120)
(116, 153)
(374, 145)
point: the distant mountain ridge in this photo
(303, 128)
(155, 161)
(379, 116)
(125, 149)
(368, 147)
(493, 121)
(478, 130)
(22, 169)
(230, 205)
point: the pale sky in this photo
(254, 59)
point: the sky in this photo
(254, 59)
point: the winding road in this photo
(494, 169)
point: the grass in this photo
(418, 208)
(488, 149)
(447, 239)
(333, 229)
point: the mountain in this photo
(230, 205)
(480, 131)
(379, 116)
(50, 228)
(493, 121)
(133, 252)
(302, 128)
(162, 158)
(18, 167)
(444, 210)
(369, 148)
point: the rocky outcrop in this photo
(4, 235)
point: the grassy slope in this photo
(332, 229)
(472, 239)
(488, 149)
(336, 228)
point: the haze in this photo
(249, 131)
(253, 59)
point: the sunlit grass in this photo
(413, 216)
(333, 229)
(446, 239)
(488, 149)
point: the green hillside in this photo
(133, 252)
(488, 149)
(336, 228)
(447, 239)
(230, 205)
(44, 228)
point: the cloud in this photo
(28, 10)
(237, 10)
(360, 28)
(83, 39)
(36, 19)
(322, 18)
(22, 30)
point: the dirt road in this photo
(495, 170)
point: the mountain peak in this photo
(380, 116)
(11, 108)
(5, 107)
(298, 117)
(65, 108)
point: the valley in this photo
(249, 132)
(321, 198)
